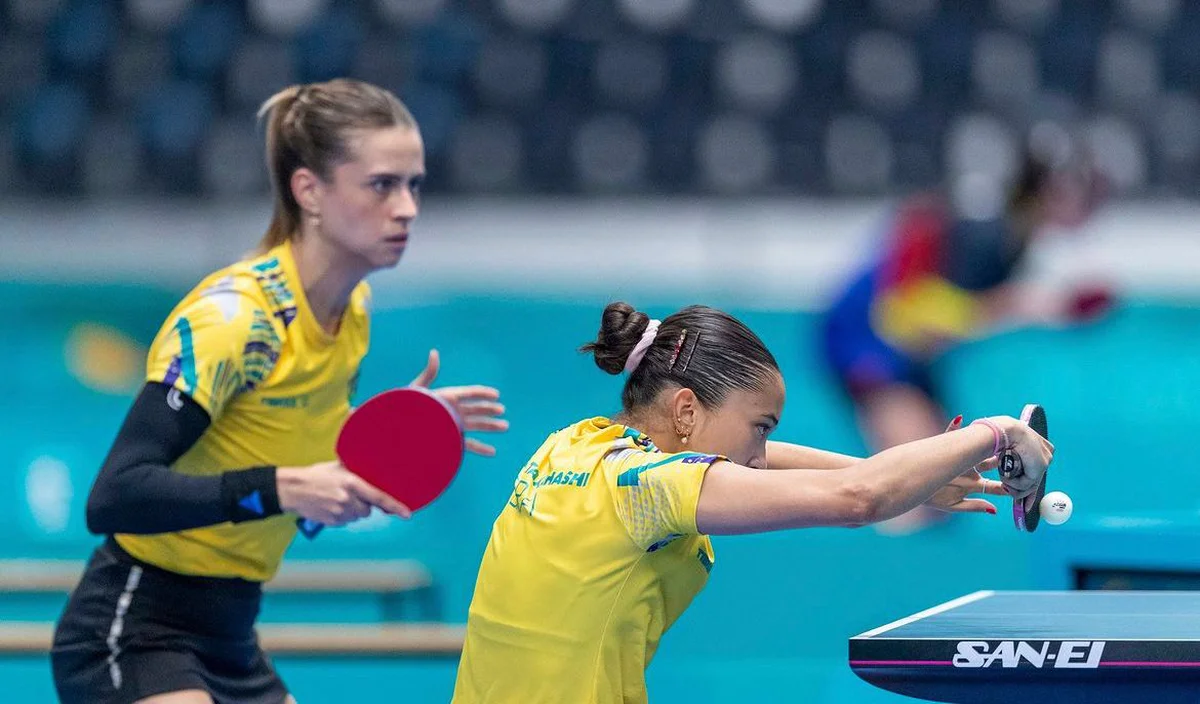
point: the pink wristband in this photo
(1001, 437)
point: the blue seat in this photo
(674, 131)
(946, 45)
(1069, 48)
(823, 45)
(549, 136)
(446, 50)
(722, 21)
(81, 38)
(692, 66)
(328, 48)
(136, 66)
(175, 115)
(111, 162)
(261, 66)
(594, 20)
(800, 133)
(8, 163)
(438, 110)
(1181, 50)
(917, 133)
(570, 71)
(22, 67)
(926, 121)
(385, 61)
(174, 119)
(51, 128)
(206, 39)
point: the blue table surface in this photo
(1055, 615)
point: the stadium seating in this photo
(601, 96)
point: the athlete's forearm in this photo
(137, 491)
(737, 499)
(901, 478)
(785, 455)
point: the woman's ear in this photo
(306, 189)
(685, 410)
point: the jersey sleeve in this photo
(214, 346)
(656, 493)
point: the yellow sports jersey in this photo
(595, 555)
(245, 346)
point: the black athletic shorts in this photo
(131, 630)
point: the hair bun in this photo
(621, 327)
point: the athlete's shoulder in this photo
(220, 339)
(269, 274)
(245, 277)
(230, 291)
(596, 440)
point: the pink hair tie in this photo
(639, 350)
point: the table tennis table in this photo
(1053, 646)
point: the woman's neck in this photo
(327, 277)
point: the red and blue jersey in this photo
(919, 292)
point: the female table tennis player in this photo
(946, 273)
(232, 436)
(605, 538)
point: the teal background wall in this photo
(773, 622)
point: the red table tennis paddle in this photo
(406, 442)
(1027, 512)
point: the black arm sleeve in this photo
(137, 491)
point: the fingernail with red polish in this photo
(991, 510)
(957, 419)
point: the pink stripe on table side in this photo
(900, 662)
(1137, 663)
(1131, 663)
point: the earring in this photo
(684, 439)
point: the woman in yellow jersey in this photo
(605, 539)
(231, 440)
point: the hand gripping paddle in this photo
(406, 442)
(1027, 512)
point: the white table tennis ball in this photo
(1056, 508)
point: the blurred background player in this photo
(946, 272)
(605, 539)
(232, 436)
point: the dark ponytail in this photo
(621, 328)
(699, 348)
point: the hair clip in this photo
(691, 352)
(678, 347)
